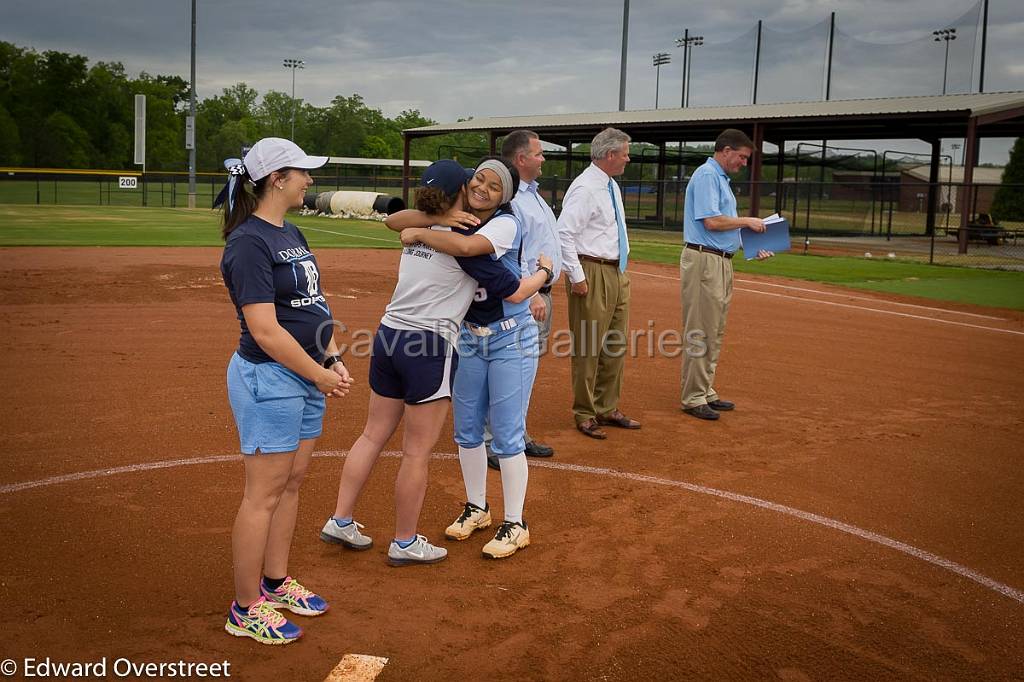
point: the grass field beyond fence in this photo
(133, 226)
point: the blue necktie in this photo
(623, 244)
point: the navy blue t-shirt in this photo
(263, 263)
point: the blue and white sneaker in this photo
(261, 622)
(293, 596)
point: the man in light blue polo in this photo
(711, 232)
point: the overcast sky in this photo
(456, 58)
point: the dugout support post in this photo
(660, 180)
(970, 156)
(755, 170)
(493, 137)
(780, 160)
(405, 168)
(933, 187)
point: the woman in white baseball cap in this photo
(285, 365)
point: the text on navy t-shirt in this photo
(263, 263)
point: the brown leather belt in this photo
(708, 249)
(595, 259)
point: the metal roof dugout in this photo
(971, 116)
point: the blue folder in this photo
(775, 238)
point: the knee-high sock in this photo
(474, 474)
(514, 475)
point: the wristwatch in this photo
(551, 274)
(332, 360)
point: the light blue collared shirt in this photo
(540, 231)
(709, 194)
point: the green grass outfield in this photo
(133, 226)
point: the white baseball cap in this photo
(274, 153)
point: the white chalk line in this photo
(395, 241)
(909, 550)
(886, 312)
(868, 298)
(858, 307)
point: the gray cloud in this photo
(459, 58)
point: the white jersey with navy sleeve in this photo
(434, 290)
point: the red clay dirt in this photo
(905, 427)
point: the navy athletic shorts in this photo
(412, 365)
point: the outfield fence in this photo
(880, 217)
(132, 188)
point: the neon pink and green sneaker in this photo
(261, 622)
(293, 596)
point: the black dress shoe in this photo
(722, 405)
(701, 412)
(535, 449)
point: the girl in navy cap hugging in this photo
(414, 358)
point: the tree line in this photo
(58, 111)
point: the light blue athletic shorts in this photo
(274, 407)
(492, 385)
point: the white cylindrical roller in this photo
(353, 202)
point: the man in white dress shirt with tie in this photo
(594, 226)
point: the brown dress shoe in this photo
(616, 418)
(590, 428)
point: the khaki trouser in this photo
(598, 323)
(706, 281)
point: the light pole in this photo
(686, 42)
(190, 123)
(657, 61)
(945, 35)
(622, 60)
(293, 64)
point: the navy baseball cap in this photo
(447, 175)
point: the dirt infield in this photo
(903, 421)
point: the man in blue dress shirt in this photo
(522, 148)
(711, 231)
